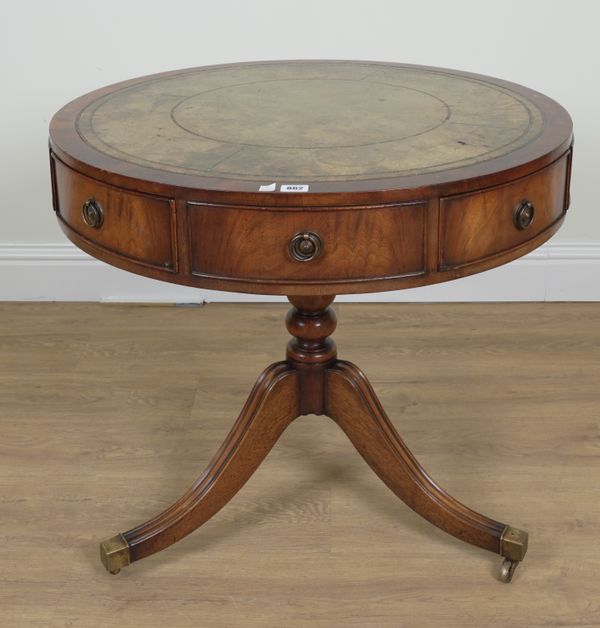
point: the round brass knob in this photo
(524, 214)
(93, 214)
(305, 246)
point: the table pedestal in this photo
(313, 381)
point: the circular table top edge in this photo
(553, 141)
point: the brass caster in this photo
(114, 554)
(508, 569)
(513, 547)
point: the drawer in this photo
(136, 226)
(255, 244)
(484, 223)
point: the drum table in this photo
(310, 179)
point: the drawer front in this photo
(484, 223)
(255, 244)
(136, 226)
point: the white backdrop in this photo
(52, 52)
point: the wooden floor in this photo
(108, 412)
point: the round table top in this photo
(310, 177)
(315, 126)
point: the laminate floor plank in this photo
(109, 412)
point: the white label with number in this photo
(287, 187)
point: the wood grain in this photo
(365, 248)
(252, 243)
(271, 407)
(136, 227)
(408, 174)
(353, 405)
(107, 411)
(475, 226)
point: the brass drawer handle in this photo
(93, 214)
(524, 214)
(305, 246)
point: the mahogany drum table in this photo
(310, 179)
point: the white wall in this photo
(51, 52)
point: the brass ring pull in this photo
(524, 214)
(305, 246)
(93, 214)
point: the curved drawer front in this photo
(485, 223)
(255, 244)
(136, 226)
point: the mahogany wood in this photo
(272, 405)
(253, 243)
(311, 321)
(401, 176)
(67, 143)
(447, 213)
(137, 228)
(352, 404)
(366, 248)
(479, 225)
(312, 380)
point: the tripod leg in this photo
(272, 405)
(353, 405)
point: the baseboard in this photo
(61, 272)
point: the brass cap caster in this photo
(114, 554)
(513, 547)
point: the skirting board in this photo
(61, 272)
